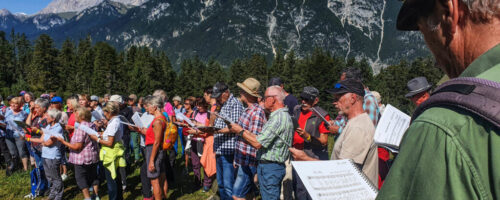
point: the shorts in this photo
(159, 162)
(86, 175)
(244, 181)
(17, 147)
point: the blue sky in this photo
(25, 6)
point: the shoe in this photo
(29, 196)
(64, 177)
(124, 187)
(206, 189)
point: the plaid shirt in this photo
(89, 154)
(252, 119)
(370, 105)
(276, 136)
(224, 143)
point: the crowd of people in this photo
(245, 141)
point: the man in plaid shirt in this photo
(224, 140)
(252, 119)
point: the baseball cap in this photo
(116, 98)
(309, 93)
(94, 98)
(177, 98)
(275, 81)
(56, 99)
(348, 86)
(218, 89)
(411, 11)
(22, 93)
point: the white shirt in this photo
(115, 129)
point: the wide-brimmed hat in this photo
(250, 86)
(417, 85)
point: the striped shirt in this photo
(252, 119)
(276, 137)
(224, 143)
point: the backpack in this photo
(38, 182)
(478, 96)
(170, 136)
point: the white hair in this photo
(54, 114)
(483, 10)
(44, 103)
(161, 93)
(154, 101)
(278, 91)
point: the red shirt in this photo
(150, 133)
(298, 142)
(71, 122)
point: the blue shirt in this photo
(13, 130)
(54, 151)
(2, 133)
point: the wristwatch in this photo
(241, 133)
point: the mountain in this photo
(65, 6)
(229, 29)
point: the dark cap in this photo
(218, 89)
(275, 81)
(309, 93)
(411, 11)
(348, 86)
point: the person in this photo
(186, 138)
(418, 90)
(3, 145)
(83, 154)
(179, 108)
(56, 103)
(381, 106)
(134, 136)
(245, 156)
(208, 158)
(105, 99)
(140, 105)
(356, 141)
(311, 135)
(16, 144)
(94, 104)
(52, 95)
(224, 141)
(290, 100)
(112, 150)
(459, 148)
(127, 113)
(155, 157)
(272, 143)
(37, 119)
(28, 98)
(167, 108)
(72, 104)
(51, 152)
(201, 118)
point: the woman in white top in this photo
(112, 150)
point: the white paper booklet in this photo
(136, 118)
(146, 119)
(391, 127)
(87, 130)
(334, 179)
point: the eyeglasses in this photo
(338, 97)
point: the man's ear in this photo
(453, 14)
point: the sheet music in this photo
(334, 180)
(182, 117)
(146, 119)
(136, 118)
(88, 130)
(391, 127)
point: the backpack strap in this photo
(478, 96)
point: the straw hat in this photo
(250, 86)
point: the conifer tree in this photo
(66, 63)
(103, 73)
(83, 72)
(42, 71)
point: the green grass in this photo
(18, 185)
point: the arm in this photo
(75, 147)
(108, 142)
(300, 155)
(157, 128)
(247, 135)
